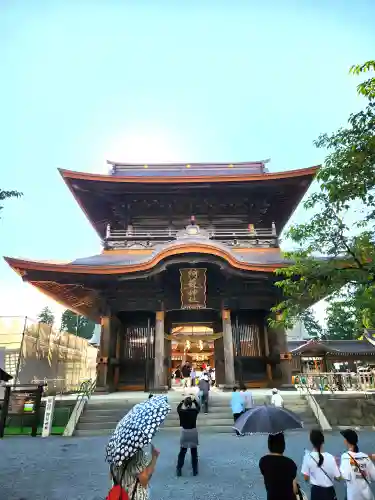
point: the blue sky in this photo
(154, 80)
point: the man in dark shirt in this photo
(188, 412)
(279, 472)
(186, 370)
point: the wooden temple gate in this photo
(141, 349)
(178, 238)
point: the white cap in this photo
(274, 390)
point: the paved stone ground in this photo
(74, 468)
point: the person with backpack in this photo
(320, 469)
(356, 469)
(131, 480)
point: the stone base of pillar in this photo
(228, 388)
(159, 390)
(101, 390)
(286, 370)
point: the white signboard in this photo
(48, 416)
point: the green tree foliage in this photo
(8, 194)
(46, 316)
(76, 324)
(342, 320)
(366, 88)
(312, 326)
(334, 252)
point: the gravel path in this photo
(74, 468)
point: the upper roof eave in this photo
(217, 178)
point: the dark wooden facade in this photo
(155, 221)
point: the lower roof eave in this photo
(147, 262)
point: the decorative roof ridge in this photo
(192, 164)
(209, 177)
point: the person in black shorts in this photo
(279, 472)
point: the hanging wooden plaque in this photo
(193, 288)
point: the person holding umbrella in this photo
(135, 474)
(130, 467)
(267, 420)
(279, 472)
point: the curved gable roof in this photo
(261, 260)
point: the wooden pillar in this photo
(159, 375)
(103, 353)
(116, 374)
(267, 353)
(281, 346)
(228, 349)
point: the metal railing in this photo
(86, 389)
(170, 234)
(305, 390)
(338, 381)
(304, 387)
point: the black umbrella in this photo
(4, 376)
(267, 420)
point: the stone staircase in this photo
(101, 415)
(298, 404)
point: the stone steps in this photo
(222, 429)
(100, 417)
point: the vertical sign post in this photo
(48, 416)
(4, 411)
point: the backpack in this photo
(117, 492)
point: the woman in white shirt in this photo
(320, 469)
(356, 469)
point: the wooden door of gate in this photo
(137, 355)
(248, 345)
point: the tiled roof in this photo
(331, 346)
(122, 259)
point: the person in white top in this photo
(320, 469)
(276, 399)
(356, 469)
